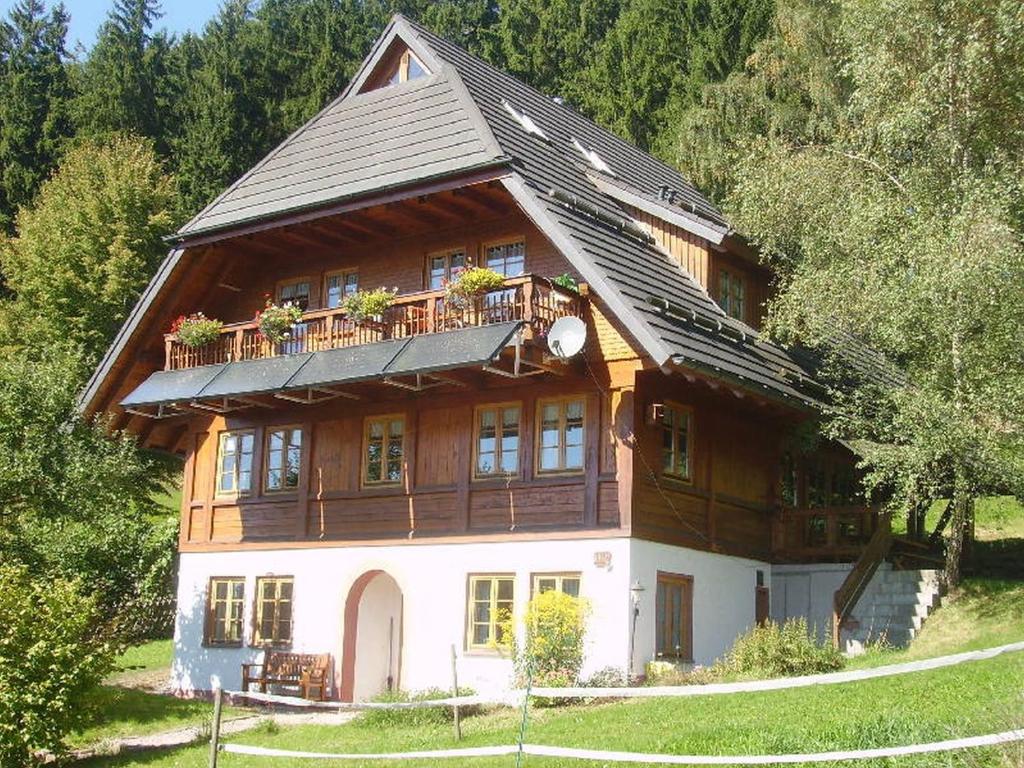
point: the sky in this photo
(87, 15)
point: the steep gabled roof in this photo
(463, 116)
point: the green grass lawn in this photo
(971, 699)
(124, 705)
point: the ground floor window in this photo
(674, 616)
(224, 604)
(273, 611)
(566, 583)
(490, 607)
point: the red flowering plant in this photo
(196, 330)
(276, 320)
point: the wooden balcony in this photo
(835, 534)
(530, 298)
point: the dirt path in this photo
(181, 737)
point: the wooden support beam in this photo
(481, 199)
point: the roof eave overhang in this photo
(682, 365)
(490, 170)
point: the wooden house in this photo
(382, 488)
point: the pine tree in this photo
(122, 85)
(34, 95)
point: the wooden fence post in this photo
(455, 692)
(218, 697)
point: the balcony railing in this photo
(529, 298)
(826, 532)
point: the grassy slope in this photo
(974, 698)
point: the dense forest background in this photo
(215, 102)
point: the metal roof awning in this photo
(411, 363)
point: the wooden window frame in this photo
(258, 641)
(686, 630)
(499, 408)
(559, 576)
(297, 279)
(446, 254)
(539, 426)
(267, 432)
(725, 296)
(490, 647)
(364, 480)
(342, 273)
(513, 240)
(209, 622)
(687, 410)
(217, 490)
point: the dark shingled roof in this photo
(455, 120)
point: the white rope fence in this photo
(540, 750)
(515, 698)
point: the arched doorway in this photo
(371, 656)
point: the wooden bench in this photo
(306, 671)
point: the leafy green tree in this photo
(900, 224)
(34, 95)
(50, 659)
(86, 248)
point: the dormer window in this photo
(524, 120)
(731, 294)
(593, 158)
(407, 68)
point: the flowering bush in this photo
(275, 321)
(364, 304)
(471, 282)
(196, 330)
(552, 650)
(778, 650)
(566, 281)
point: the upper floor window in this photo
(273, 611)
(674, 616)
(407, 68)
(234, 462)
(508, 259)
(730, 294)
(385, 450)
(338, 285)
(224, 604)
(497, 440)
(560, 435)
(284, 458)
(566, 583)
(442, 267)
(675, 441)
(295, 292)
(489, 609)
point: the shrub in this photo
(607, 677)
(50, 659)
(552, 653)
(474, 281)
(775, 650)
(275, 321)
(390, 718)
(667, 673)
(365, 304)
(196, 330)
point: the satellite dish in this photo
(566, 337)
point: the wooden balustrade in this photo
(825, 533)
(529, 298)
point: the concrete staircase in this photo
(893, 607)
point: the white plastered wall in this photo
(723, 597)
(433, 581)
